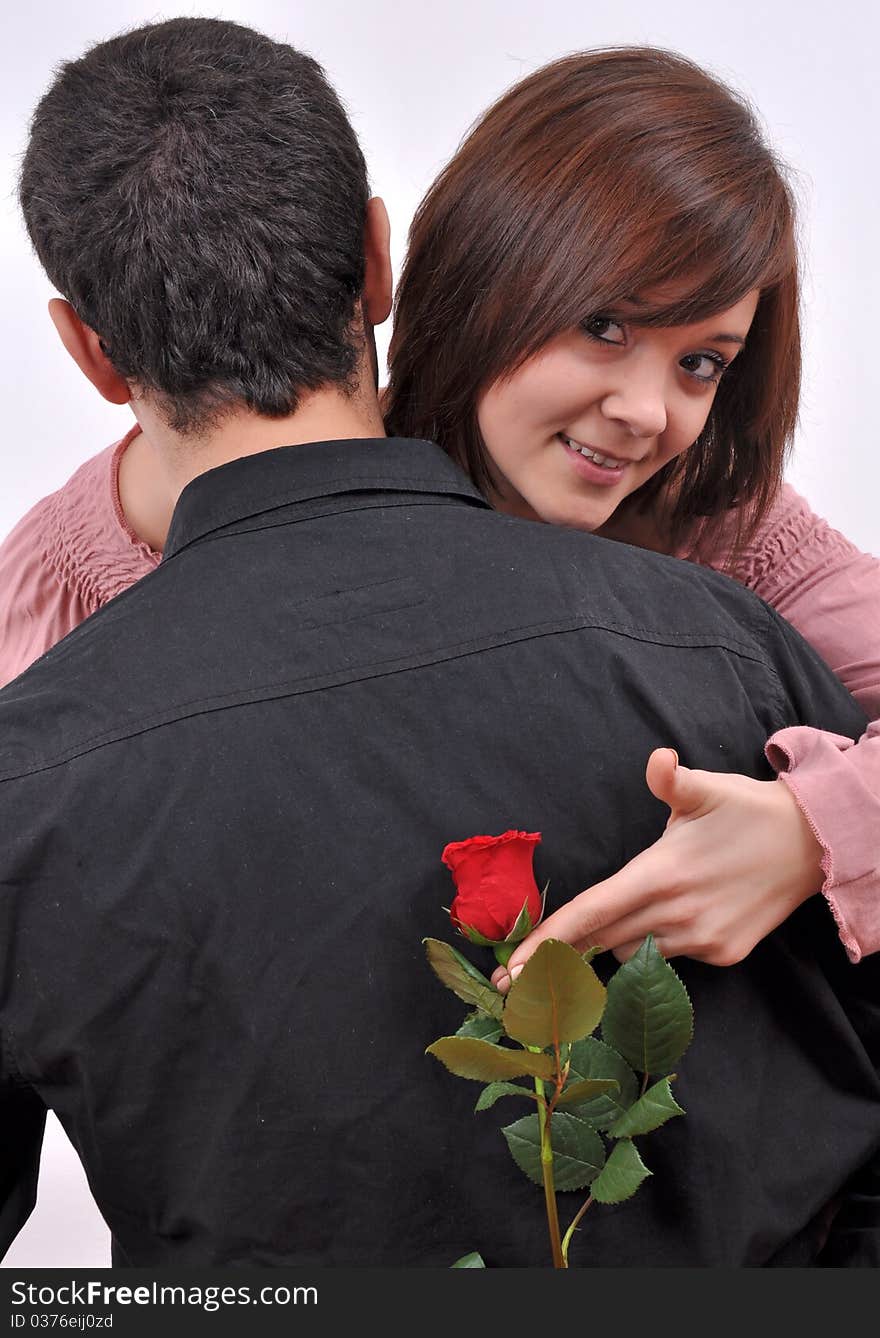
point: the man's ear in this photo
(84, 346)
(376, 297)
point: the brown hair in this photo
(606, 175)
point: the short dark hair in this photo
(196, 192)
(606, 174)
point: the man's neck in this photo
(159, 463)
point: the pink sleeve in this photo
(830, 591)
(70, 554)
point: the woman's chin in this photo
(585, 514)
(589, 519)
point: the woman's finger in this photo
(687, 792)
(627, 950)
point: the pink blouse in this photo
(830, 591)
(74, 551)
(70, 554)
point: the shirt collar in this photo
(255, 484)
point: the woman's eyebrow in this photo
(727, 339)
(634, 300)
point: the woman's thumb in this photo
(679, 787)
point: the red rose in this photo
(494, 881)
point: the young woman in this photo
(598, 318)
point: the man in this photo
(223, 797)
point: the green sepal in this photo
(648, 1016)
(650, 1111)
(472, 1260)
(474, 935)
(578, 1151)
(523, 924)
(496, 1090)
(590, 953)
(623, 1172)
(522, 927)
(468, 1057)
(462, 977)
(585, 1090)
(480, 1026)
(556, 997)
(591, 1058)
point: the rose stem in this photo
(571, 1230)
(503, 952)
(547, 1171)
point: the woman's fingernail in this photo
(675, 755)
(514, 972)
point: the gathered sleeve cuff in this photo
(829, 590)
(836, 784)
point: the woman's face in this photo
(589, 419)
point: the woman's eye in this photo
(604, 328)
(704, 366)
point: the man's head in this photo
(197, 194)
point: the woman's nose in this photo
(638, 401)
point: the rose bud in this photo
(497, 901)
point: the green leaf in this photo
(482, 1027)
(470, 1058)
(624, 1171)
(578, 1151)
(496, 1090)
(460, 976)
(556, 997)
(648, 1015)
(585, 1090)
(472, 1260)
(591, 1058)
(653, 1109)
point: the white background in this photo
(414, 76)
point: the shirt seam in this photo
(378, 669)
(771, 625)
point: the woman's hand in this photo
(736, 858)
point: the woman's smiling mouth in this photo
(607, 461)
(592, 465)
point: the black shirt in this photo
(223, 800)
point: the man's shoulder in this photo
(410, 589)
(633, 589)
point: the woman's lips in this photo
(605, 475)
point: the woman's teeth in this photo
(606, 461)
